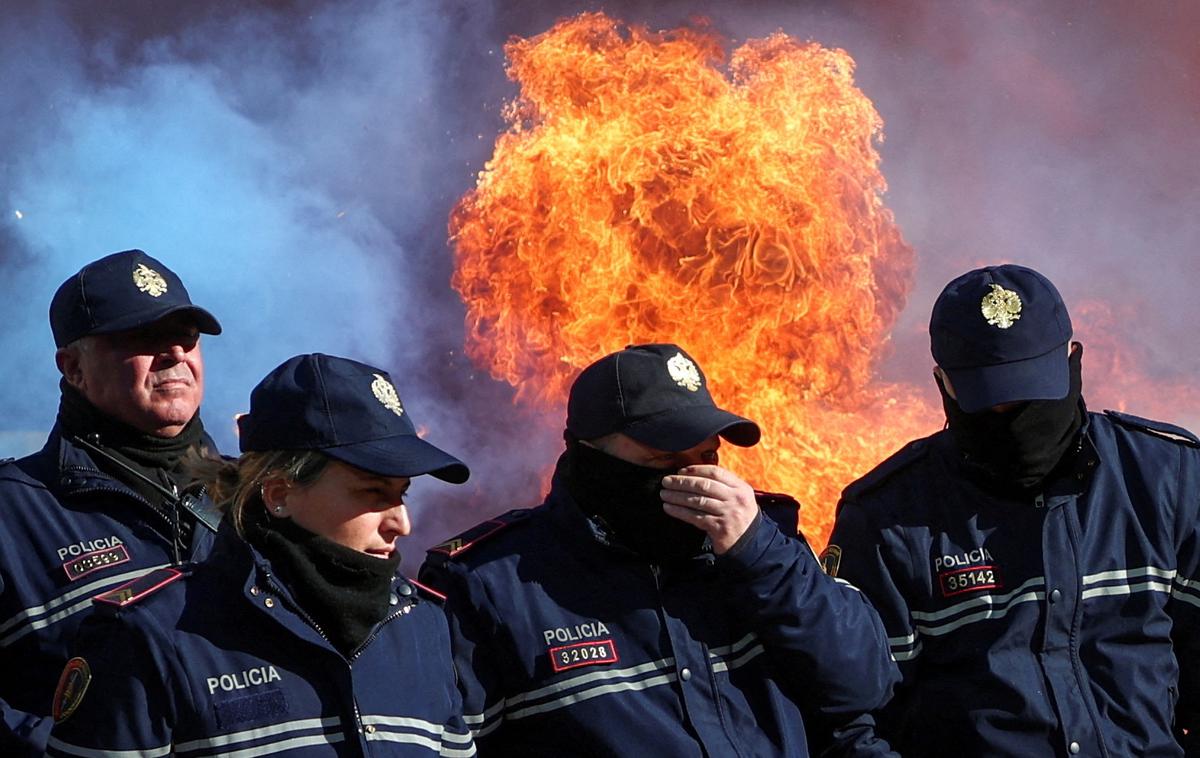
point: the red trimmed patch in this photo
(456, 545)
(591, 653)
(131, 592)
(969, 579)
(77, 568)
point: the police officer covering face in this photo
(1035, 565)
(297, 635)
(99, 504)
(649, 607)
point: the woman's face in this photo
(347, 505)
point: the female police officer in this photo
(296, 634)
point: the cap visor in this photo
(684, 428)
(204, 320)
(1046, 377)
(403, 455)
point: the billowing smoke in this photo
(296, 162)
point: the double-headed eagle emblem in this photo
(684, 372)
(149, 281)
(1001, 307)
(386, 394)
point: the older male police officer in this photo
(1037, 566)
(97, 505)
(649, 607)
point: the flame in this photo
(649, 189)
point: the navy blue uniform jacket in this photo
(68, 531)
(569, 645)
(1051, 625)
(223, 662)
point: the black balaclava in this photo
(1015, 450)
(346, 592)
(626, 499)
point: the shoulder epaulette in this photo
(456, 546)
(898, 461)
(132, 592)
(426, 591)
(1157, 428)
(783, 509)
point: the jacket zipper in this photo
(278, 592)
(375, 633)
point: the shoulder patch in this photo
(457, 545)
(142, 587)
(898, 461)
(72, 686)
(783, 509)
(1157, 428)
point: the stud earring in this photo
(278, 509)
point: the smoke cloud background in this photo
(295, 163)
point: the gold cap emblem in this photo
(1001, 307)
(149, 281)
(386, 394)
(684, 372)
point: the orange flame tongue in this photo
(643, 195)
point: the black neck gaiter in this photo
(625, 499)
(1015, 450)
(156, 458)
(344, 591)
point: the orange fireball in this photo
(650, 189)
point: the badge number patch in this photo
(77, 568)
(592, 653)
(72, 686)
(969, 579)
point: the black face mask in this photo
(625, 498)
(1015, 450)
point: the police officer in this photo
(649, 606)
(297, 634)
(1033, 562)
(100, 503)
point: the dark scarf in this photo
(1016, 450)
(156, 458)
(624, 498)
(344, 591)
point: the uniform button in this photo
(254, 590)
(269, 602)
(392, 599)
(404, 588)
(1074, 748)
(369, 729)
(1055, 596)
(685, 674)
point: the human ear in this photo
(274, 496)
(69, 365)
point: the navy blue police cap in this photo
(655, 394)
(126, 290)
(345, 409)
(1000, 334)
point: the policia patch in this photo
(72, 686)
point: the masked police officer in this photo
(297, 635)
(1033, 562)
(649, 607)
(98, 504)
